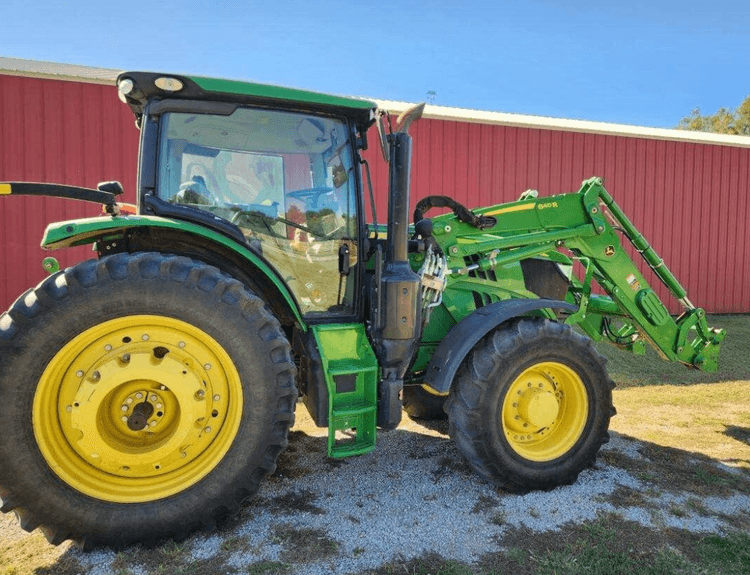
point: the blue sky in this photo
(626, 62)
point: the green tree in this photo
(724, 121)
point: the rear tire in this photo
(146, 396)
(531, 404)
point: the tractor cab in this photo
(284, 177)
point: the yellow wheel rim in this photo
(434, 392)
(137, 408)
(545, 411)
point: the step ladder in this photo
(351, 372)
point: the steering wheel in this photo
(254, 213)
(314, 193)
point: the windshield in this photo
(285, 179)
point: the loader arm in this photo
(590, 224)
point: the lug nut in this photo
(181, 344)
(200, 394)
(208, 430)
(124, 408)
(217, 397)
(153, 424)
(79, 373)
(144, 337)
(124, 418)
(107, 347)
(96, 376)
(154, 398)
(159, 406)
(126, 358)
(138, 395)
(207, 366)
(129, 400)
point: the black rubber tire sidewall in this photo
(177, 287)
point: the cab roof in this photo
(247, 93)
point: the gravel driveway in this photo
(414, 496)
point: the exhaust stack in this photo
(397, 336)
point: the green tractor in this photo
(147, 392)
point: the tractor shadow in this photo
(737, 433)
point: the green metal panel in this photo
(88, 230)
(577, 221)
(279, 93)
(351, 372)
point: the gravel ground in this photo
(415, 495)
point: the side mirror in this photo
(383, 135)
(111, 187)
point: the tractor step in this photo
(351, 372)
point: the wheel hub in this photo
(538, 408)
(544, 411)
(139, 418)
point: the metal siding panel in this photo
(484, 172)
(519, 169)
(532, 162)
(681, 256)
(437, 158)
(53, 132)
(668, 194)
(461, 164)
(741, 255)
(448, 173)
(510, 161)
(545, 160)
(498, 166)
(474, 145)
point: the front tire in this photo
(531, 404)
(421, 403)
(146, 395)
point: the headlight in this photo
(124, 88)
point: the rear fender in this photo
(463, 336)
(153, 233)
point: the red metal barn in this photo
(687, 192)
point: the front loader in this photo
(148, 391)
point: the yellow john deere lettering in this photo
(547, 205)
(4, 189)
(510, 209)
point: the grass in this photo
(607, 546)
(712, 419)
